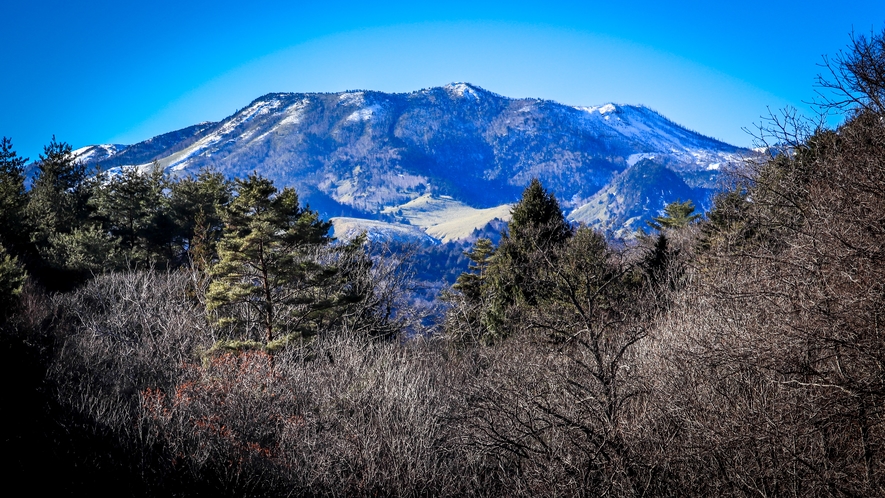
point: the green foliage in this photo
(728, 216)
(769, 200)
(501, 280)
(676, 215)
(59, 193)
(474, 296)
(537, 220)
(13, 199)
(88, 249)
(658, 266)
(470, 283)
(536, 230)
(546, 277)
(196, 205)
(12, 278)
(584, 280)
(132, 209)
(269, 264)
(57, 208)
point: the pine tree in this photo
(536, 220)
(267, 263)
(58, 195)
(57, 211)
(132, 207)
(470, 283)
(13, 199)
(196, 205)
(676, 215)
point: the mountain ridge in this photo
(363, 154)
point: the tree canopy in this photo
(268, 265)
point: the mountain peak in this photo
(600, 109)
(368, 154)
(464, 90)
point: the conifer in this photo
(267, 263)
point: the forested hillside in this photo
(205, 335)
(459, 150)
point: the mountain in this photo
(447, 159)
(635, 195)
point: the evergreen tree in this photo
(676, 215)
(58, 196)
(470, 283)
(133, 208)
(13, 199)
(12, 278)
(536, 220)
(196, 204)
(496, 286)
(474, 295)
(268, 278)
(658, 264)
(56, 211)
(536, 229)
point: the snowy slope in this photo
(370, 155)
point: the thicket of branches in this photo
(737, 355)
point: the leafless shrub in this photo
(776, 379)
(854, 80)
(341, 413)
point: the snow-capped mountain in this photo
(446, 159)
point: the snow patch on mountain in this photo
(365, 114)
(96, 153)
(180, 160)
(295, 112)
(462, 90)
(635, 158)
(657, 134)
(445, 218)
(352, 99)
(346, 229)
(601, 109)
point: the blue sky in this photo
(121, 72)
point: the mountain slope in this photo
(364, 154)
(636, 195)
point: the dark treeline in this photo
(206, 337)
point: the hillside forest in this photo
(205, 336)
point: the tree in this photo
(268, 263)
(12, 278)
(537, 220)
(566, 400)
(497, 284)
(469, 311)
(58, 195)
(132, 207)
(856, 79)
(470, 283)
(13, 199)
(57, 210)
(793, 272)
(677, 214)
(196, 205)
(658, 264)
(537, 228)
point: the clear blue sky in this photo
(120, 72)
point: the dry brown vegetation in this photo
(740, 356)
